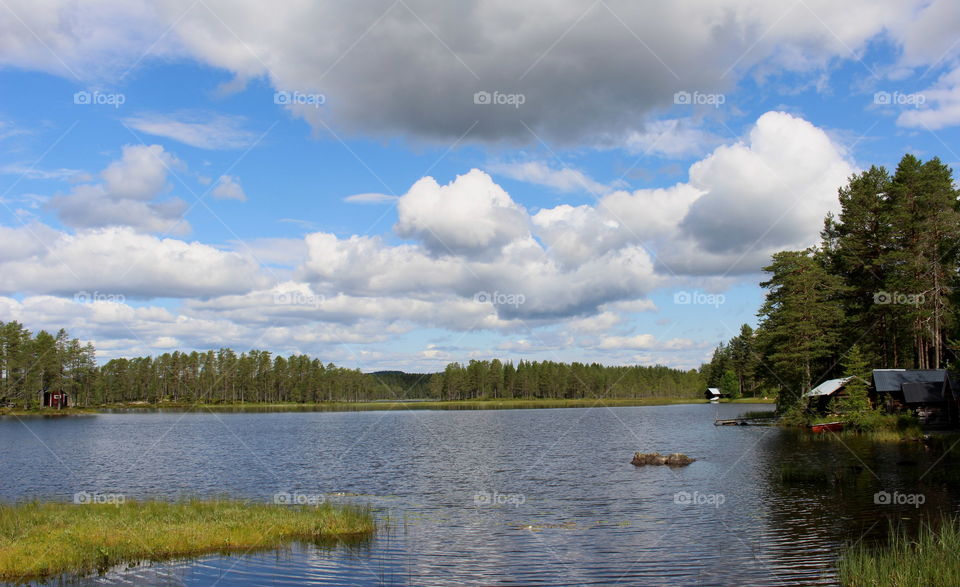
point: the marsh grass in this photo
(39, 540)
(929, 559)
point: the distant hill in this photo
(403, 385)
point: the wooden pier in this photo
(745, 422)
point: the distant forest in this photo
(882, 285)
(34, 363)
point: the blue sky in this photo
(158, 191)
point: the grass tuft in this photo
(929, 559)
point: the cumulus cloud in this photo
(769, 192)
(740, 203)
(228, 188)
(120, 261)
(127, 195)
(470, 216)
(474, 260)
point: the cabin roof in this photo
(923, 392)
(714, 390)
(889, 380)
(828, 387)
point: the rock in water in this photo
(679, 460)
(655, 458)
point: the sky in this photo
(402, 184)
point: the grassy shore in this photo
(51, 412)
(40, 540)
(930, 559)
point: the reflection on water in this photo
(502, 496)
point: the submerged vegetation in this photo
(929, 559)
(39, 540)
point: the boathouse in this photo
(819, 397)
(932, 394)
(712, 393)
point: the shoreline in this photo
(487, 404)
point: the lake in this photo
(533, 496)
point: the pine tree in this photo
(801, 320)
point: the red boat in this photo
(829, 426)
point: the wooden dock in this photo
(745, 422)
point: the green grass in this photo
(71, 411)
(39, 540)
(929, 559)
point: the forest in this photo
(34, 363)
(880, 289)
(547, 379)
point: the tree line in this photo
(882, 284)
(547, 379)
(31, 364)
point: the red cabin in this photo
(55, 399)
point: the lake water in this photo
(498, 496)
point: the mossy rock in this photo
(654, 458)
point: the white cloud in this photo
(128, 194)
(941, 107)
(204, 130)
(602, 322)
(228, 188)
(32, 172)
(768, 193)
(674, 138)
(140, 174)
(119, 261)
(470, 216)
(370, 198)
(539, 173)
(645, 342)
(476, 259)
